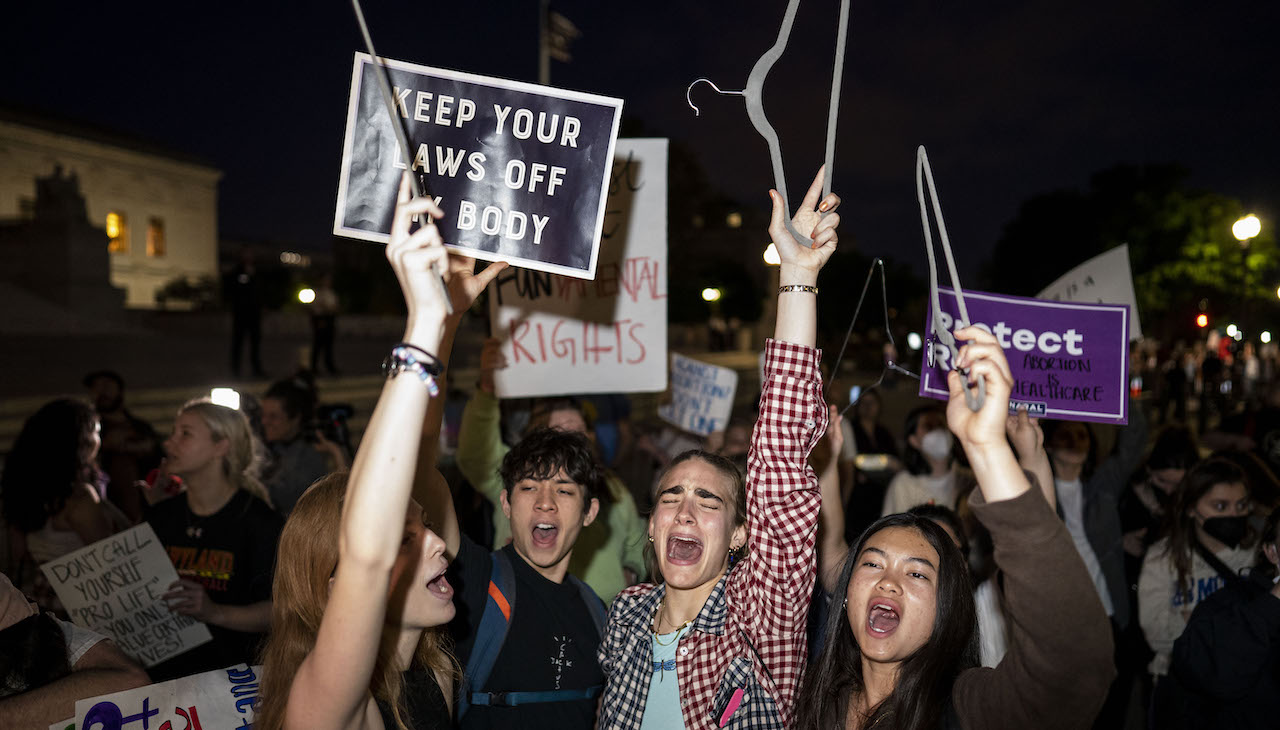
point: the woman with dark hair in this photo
(1143, 505)
(1225, 669)
(49, 489)
(296, 459)
(930, 476)
(1205, 545)
(903, 653)
(720, 638)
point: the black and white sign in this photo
(520, 170)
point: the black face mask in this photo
(1227, 530)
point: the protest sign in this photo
(564, 335)
(520, 170)
(1103, 279)
(114, 586)
(701, 396)
(221, 699)
(1068, 360)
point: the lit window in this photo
(155, 237)
(118, 232)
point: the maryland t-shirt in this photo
(550, 645)
(232, 553)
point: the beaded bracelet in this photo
(429, 361)
(798, 287)
(402, 360)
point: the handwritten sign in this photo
(114, 586)
(1068, 360)
(701, 396)
(563, 335)
(520, 170)
(1105, 278)
(222, 699)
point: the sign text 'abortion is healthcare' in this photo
(521, 171)
(1069, 360)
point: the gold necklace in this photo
(657, 623)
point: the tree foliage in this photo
(1181, 247)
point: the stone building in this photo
(156, 208)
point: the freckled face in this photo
(692, 525)
(892, 596)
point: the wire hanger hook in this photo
(688, 94)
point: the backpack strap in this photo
(492, 632)
(595, 606)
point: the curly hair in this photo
(50, 458)
(544, 452)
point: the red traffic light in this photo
(1202, 320)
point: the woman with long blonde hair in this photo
(360, 606)
(221, 535)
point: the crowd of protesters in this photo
(579, 569)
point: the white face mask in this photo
(936, 444)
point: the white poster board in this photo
(563, 335)
(701, 396)
(114, 586)
(1103, 279)
(216, 700)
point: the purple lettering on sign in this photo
(1069, 360)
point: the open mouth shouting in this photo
(439, 586)
(883, 617)
(544, 535)
(683, 549)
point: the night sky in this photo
(1012, 99)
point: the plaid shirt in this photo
(750, 634)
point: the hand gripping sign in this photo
(1069, 360)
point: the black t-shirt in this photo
(551, 644)
(232, 553)
(424, 705)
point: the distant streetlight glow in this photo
(1238, 336)
(307, 296)
(1246, 228)
(1202, 320)
(711, 294)
(914, 341)
(733, 220)
(1232, 330)
(1265, 337)
(771, 255)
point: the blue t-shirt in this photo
(662, 707)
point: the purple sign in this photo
(1070, 360)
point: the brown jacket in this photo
(1059, 664)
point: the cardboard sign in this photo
(221, 699)
(701, 396)
(1105, 278)
(114, 586)
(520, 170)
(1068, 360)
(563, 335)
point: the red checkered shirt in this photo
(750, 634)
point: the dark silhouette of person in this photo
(324, 318)
(244, 297)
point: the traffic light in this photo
(1202, 320)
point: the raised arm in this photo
(1028, 440)
(330, 689)
(1059, 660)
(782, 490)
(831, 544)
(430, 487)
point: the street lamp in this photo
(711, 294)
(1246, 228)
(307, 296)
